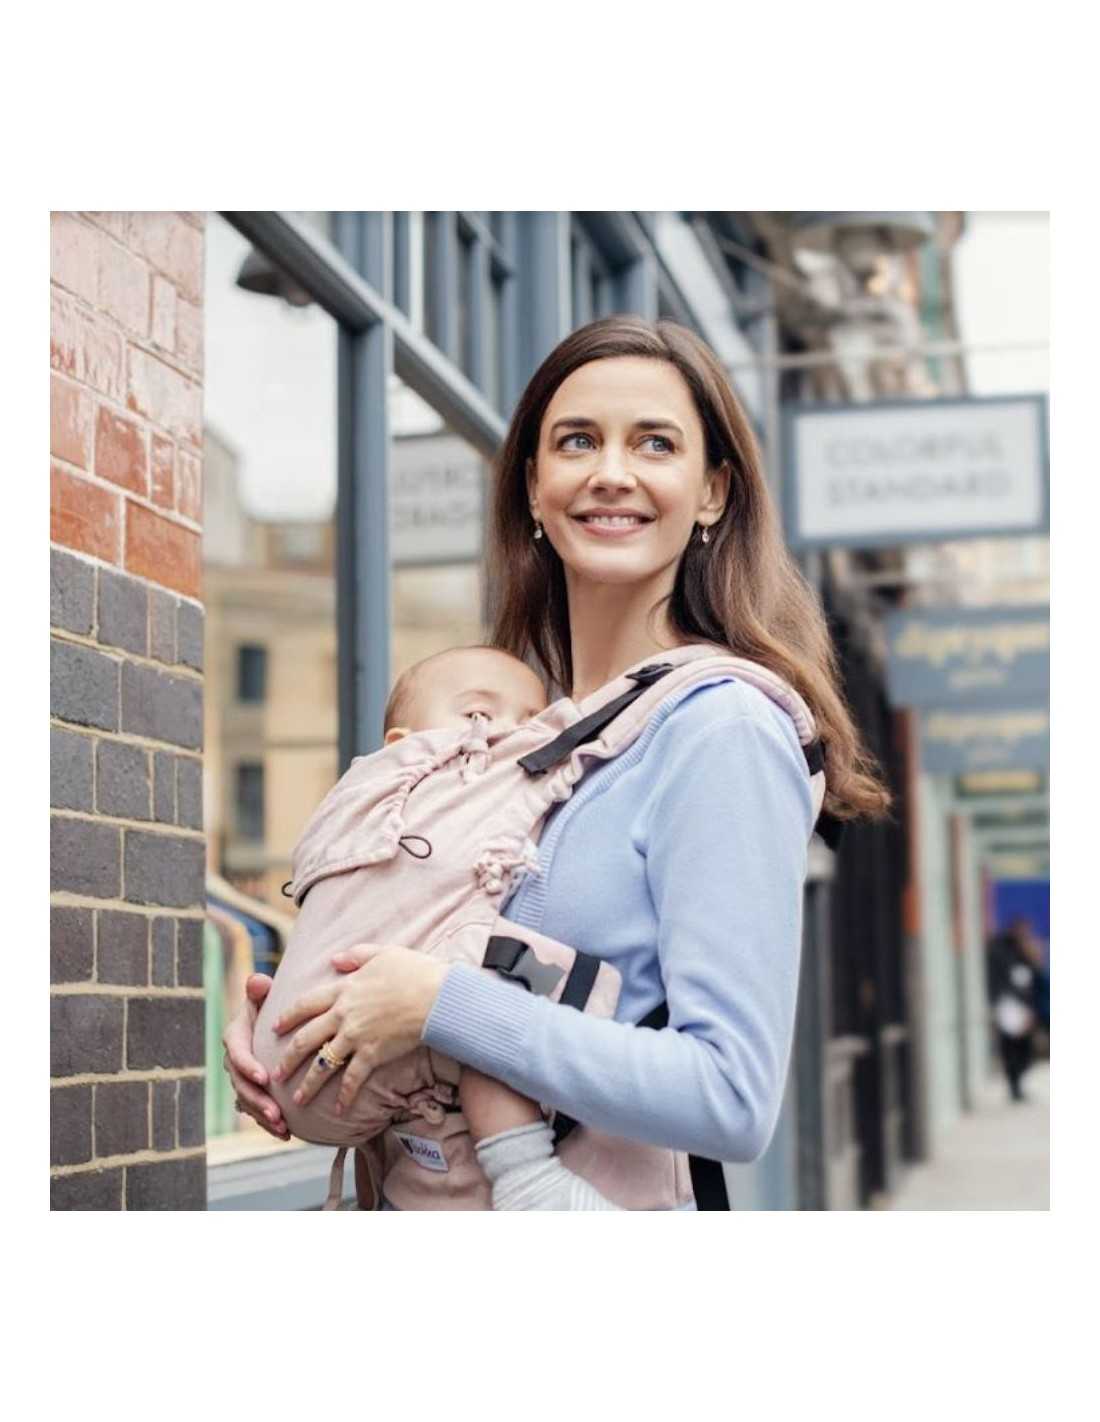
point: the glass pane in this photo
(438, 485)
(269, 583)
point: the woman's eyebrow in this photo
(582, 422)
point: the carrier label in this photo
(427, 1153)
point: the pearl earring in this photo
(538, 529)
(705, 534)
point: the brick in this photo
(84, 858)
(162, 472)
(87, 348)
(83, 685)
(70, 770)
(165, 396)
(164, 1032)
(84, 516)
(123, 619)
(164, 787)
(163, 321)
(162, 625)
(72, 593)
(85, 1034)
(73, 255)
(164, 952)
(189, 952)
(72, 944)
(121, 1117)
(122, 948)
(70, 1125)
(172, 245)
(189, 486)
(120, 454)
(189, 336)
(167, 1185)
(70, 423)
(189, 633)
(192, 1126)
(122, 781)
(87, 1190)
(163, 551)
(189, 792)
(164, 1115)
(161, 706)
(163, 869)
(123, 287)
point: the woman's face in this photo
(621, 437)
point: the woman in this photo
(630, 516)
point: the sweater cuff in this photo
(480, 1021)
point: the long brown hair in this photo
(741, 590)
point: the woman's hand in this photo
(376, 1014)
(242, 1066)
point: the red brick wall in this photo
(127, 849)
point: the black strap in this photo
(815, 757)
(829, 828)
(580, 982)
(708, 1181)
(540, 761)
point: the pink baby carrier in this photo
(418, 843)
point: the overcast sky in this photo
(1002, 293)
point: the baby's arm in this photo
(491, 1107)
(515, 1149)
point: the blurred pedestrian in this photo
(1013, 963)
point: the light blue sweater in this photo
(681, 861)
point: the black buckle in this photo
(515, 960)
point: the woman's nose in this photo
(613, 472)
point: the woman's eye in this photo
(567, 438)
(664, 440)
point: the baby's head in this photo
(445, 690)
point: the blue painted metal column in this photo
(362, 503)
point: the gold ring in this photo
(327, 1060)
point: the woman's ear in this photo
(718, 490)
(532, 482)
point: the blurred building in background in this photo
(359, 373)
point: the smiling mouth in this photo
(612, 520)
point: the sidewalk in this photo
(995, 1157)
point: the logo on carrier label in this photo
(427, 1153)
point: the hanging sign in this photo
(990, 656)
(966, 742)
(880, 474)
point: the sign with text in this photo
(886, 473)
(967, 742)
(944, 657)
(436, 500)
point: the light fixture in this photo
(860, 239)
(264, 278)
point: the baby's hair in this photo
(405, 688)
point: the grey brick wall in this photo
(126, 878)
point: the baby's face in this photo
(498, 686)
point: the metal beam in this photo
(340, 290)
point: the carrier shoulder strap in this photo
(538, 762)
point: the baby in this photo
(514, 1143)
